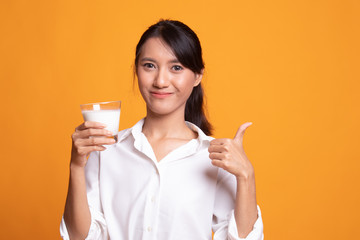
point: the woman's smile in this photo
(158, 94)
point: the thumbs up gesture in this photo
(229, 154)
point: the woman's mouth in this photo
(161, 94)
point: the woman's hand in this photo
(88, 137)
(229, 154)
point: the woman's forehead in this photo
(157, 47)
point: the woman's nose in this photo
(161, 80)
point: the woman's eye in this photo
(149, 65)
(177, 68)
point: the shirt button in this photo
(152, 199)
(149, 229)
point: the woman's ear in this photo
(198, 77)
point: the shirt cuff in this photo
(98, 229)
(255, 234)
(63, 230)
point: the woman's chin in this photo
(161, 112)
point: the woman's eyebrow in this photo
(174, 61)
(147, 59)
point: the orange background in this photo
(290, 67)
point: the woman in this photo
(164, 178)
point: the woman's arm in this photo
(245, 205)
(229, 154)
(77, 214)
(88, 137)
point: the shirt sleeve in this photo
(98, 228)
(255, 234)
(224, 224)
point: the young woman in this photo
(164, 178)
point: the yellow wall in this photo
(290, 67)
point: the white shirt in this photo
(133, 196)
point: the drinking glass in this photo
(107, 113)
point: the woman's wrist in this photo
(246, 176)
(75, 167)
(245, 181)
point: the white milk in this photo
(109, 117)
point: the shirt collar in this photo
(136, 131)
(202, 137)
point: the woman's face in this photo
(164, 82)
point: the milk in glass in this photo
(109, 117)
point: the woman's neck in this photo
(168, 126)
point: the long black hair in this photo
(187, 48)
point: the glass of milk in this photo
(107, 113)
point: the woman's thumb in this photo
(240, 132)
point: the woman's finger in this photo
(84, 134)
(220, 141)
(220, 156)
(218, 163)
(84, 151)
(90, 124)
(93, 141)
(216, 156)
(218, 148)
(93, 132)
